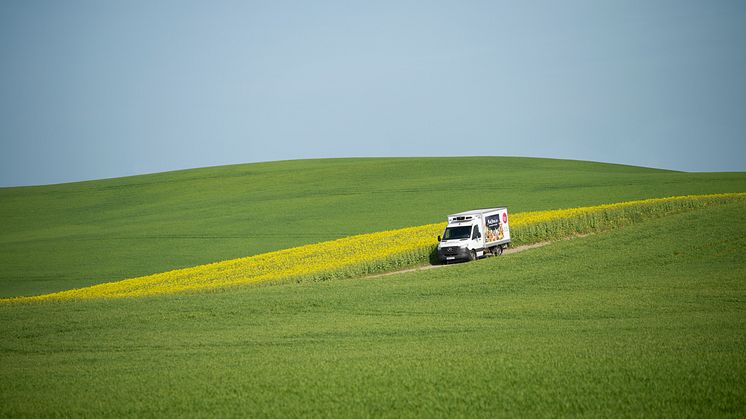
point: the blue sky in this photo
(92, 89)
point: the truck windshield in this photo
(456, 233)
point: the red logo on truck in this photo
(505, 218)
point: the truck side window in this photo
(475, 233)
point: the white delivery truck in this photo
(473, 234)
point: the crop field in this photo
(58, 237)
(370, 253)
(646, 320)
(642, 312)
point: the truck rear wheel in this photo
(498, 251)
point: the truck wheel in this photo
(472, 255)
(498, 251)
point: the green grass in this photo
(648, 320)
(72, 235)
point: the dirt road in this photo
(507, 251)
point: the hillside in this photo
(386, 251)
(647, 320)
(64, 236)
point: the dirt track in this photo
(507, 251)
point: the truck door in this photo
(476, 238)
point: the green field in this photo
(645, 320)
(64, 236)
(648, 320)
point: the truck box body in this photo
(473, 234)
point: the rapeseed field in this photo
(382, 251)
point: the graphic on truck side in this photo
(493, 228)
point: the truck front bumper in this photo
(451, 253)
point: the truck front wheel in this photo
(472, 255)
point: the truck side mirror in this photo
(438, 238)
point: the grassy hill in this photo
(64, 236)
(647, 320)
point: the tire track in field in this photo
(508, 251)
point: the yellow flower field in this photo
(379, 252)
(539, 216)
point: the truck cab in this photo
(474, 234)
